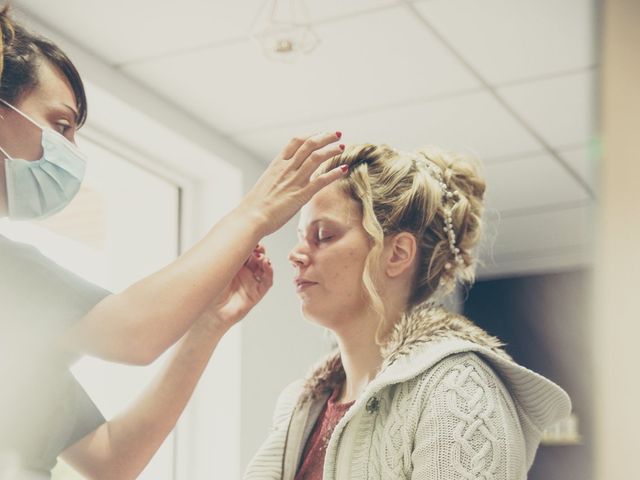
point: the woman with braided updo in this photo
(413, 391)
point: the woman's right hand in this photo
(286, 185)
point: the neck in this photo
(360, 353)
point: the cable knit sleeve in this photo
(266, 464)
(469, 427)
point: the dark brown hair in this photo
(21, 53)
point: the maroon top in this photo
(316, 447)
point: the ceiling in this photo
(511, 81)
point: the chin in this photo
(321, 316)
(309, 314)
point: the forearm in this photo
(122, 447)
(141, 322)
(138, 324)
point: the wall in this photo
(615, 335)
(544, 319)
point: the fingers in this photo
(325, 179)
(258, 263)
(253, 261)
(255, 255)
(312, 147)
(292, 147)
(263, 274)
(266, 281)
(317, 158)
(280, 191)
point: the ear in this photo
(401, 252)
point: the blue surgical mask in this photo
(37, 189)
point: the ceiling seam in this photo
(558, 74)
(542, 209)
(500, 159)
(525, 255)
(492, 91)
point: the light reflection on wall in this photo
(122, 226)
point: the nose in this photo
(298, 257)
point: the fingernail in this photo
(341, 146)
(344, 168)
(339, 134)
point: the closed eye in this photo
(324, 238)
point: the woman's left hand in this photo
(246, 289)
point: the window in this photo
(123, 225)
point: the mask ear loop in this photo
(5, 153)
(24, 115)
(21, 113)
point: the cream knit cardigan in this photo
(447, 404)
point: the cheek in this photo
(24, 142)
(345, 273)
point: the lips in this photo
(303, 283)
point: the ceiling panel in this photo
(538, 262)
(539, 234)
(583, 162)
(362, 62)
(323, 10)
(473, 123)
(122, 31)
(505, 40)
(559, 109)
(530, 182)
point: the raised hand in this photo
(246, 289)
(286, 185)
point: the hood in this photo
(418, 341)
(413, 332)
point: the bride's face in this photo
(329, 258)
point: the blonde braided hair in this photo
(398, 192)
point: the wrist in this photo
(213, 325)
(255, 219)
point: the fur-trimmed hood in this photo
(423, 326)
(430, 334)
(419, 344)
